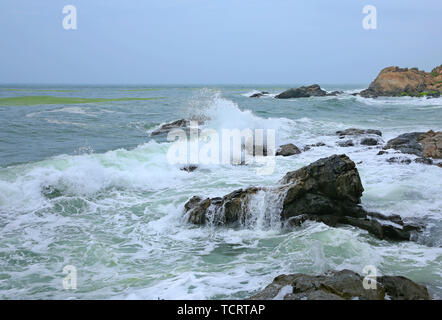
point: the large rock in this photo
(328, 190)
(287, 150)
(422, 144)
(302, 92)
(341, 285)
(395, 81)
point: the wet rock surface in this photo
(302, 92)
(422, 144)
(287, 150)
(341, 285)
(183, 124)
(369, 142)
(356, 131)
(346, 143)
(329, 191)
(259, 94)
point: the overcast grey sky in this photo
(214, 41)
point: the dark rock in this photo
(369, 142)
(423, 160)
(230, 209)
(334, 93)
(422, 144)
(259, 94)
(399, 160)
(309, 146)
(341, 285)
(355, 131)
(328, 190)
(347, 143)
(406, 143)
(287, 150)
(189, 168)
(51, 193)
(178, 124)
(381, 153)
(302, 92)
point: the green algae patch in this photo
(129, 90)
(39, 90)
(37, 100)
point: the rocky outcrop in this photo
(328, 190)
(341, 285)
(396, 82)
(422, 144)
(287, 150)
(302, 92)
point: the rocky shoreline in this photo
(391, 82)
(329, 190)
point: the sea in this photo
(92, 208)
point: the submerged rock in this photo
(369, 142)
(424, 160)
(302, 92)
(394, 81)
(335, 93)
(356, 131)
(341, 285)
(399, 160)
(259, 94)
(422, 144)
(346, 143)
(177, 124)
(328, 190)
(189, 168)
(317, 144)
(51, 193)
(287, 150)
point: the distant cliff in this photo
(395, 82)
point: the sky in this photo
(214, 41)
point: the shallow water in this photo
(84, 185)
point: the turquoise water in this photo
(85, 185)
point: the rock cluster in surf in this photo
(328, 190)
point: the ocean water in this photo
(83, 184)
